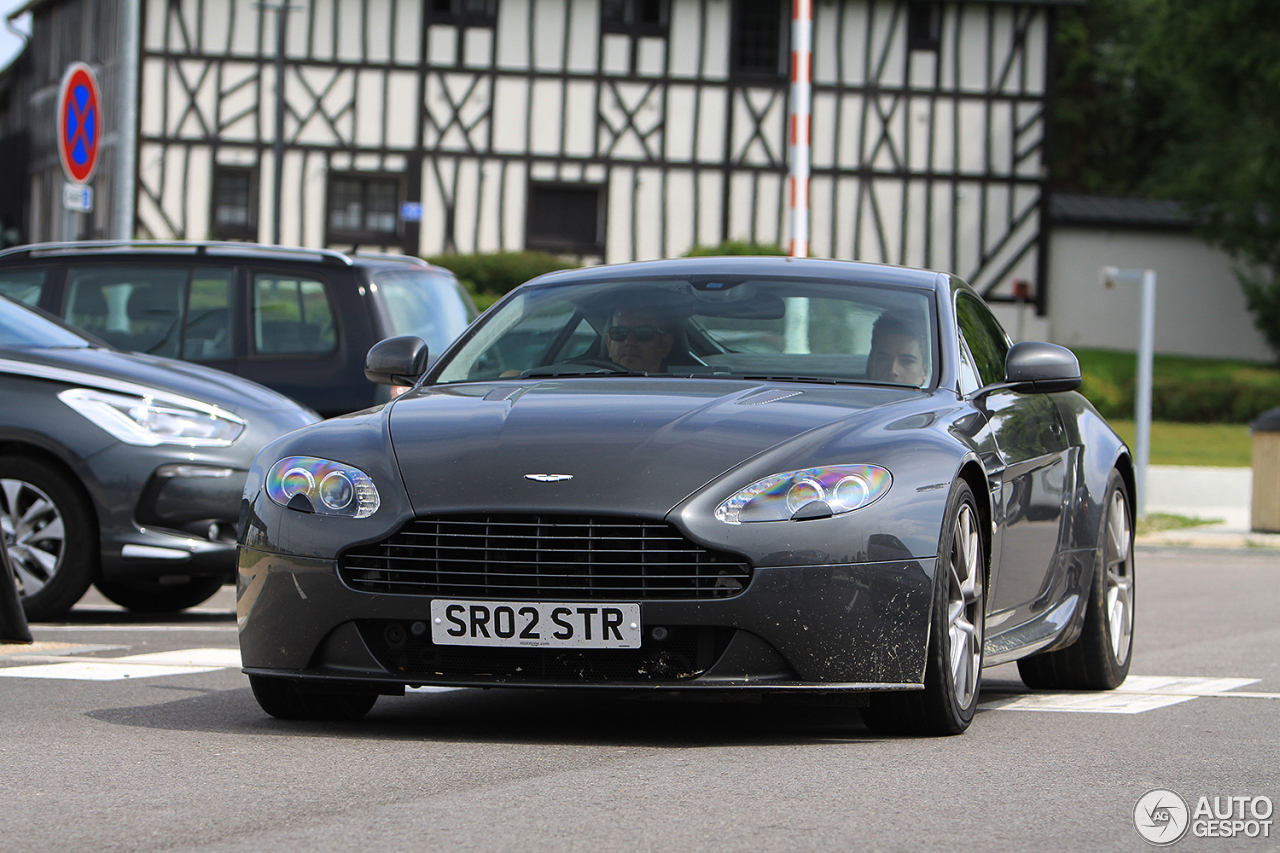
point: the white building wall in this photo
(1200, 308)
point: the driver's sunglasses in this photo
(643, 334)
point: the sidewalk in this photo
(1221, 496)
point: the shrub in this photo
(736, 247)
(495, 273)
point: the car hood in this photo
(631, 445)
(112, 370)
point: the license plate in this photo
(532, 624)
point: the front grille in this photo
(405, 649)
(543, 558)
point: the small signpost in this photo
(79, 134)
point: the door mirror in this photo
(397, 361)
(1040, 368)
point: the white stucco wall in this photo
(1200, 308)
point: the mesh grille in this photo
(550, 558)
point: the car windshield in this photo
(722, 327)
(22, 327)
(426, 304)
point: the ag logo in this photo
(1161, 817)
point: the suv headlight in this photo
(308, 484)
(149, 421)
(843, 488)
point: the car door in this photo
(1032, 466)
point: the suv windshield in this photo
(724, 327)
(22, 327)
(426, 304)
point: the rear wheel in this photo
(283, 698)
(51, 533)
(1099, 658)
(160, 595)
(953, 671)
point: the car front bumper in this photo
(828, 628)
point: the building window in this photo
(463, 13)
(760, 34)
(363, 209)
(924, 26)
(235, 203)
(635, 17)
(566, 218)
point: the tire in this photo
(152, 595)
(51, 532)
(1099, 658)
(953, 670)
(282, 698)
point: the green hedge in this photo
(1183, 389)
(495, 273)
(736, 247)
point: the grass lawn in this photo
(1218, 445)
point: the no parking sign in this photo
(79, 122)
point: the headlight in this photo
(843, 488)
(148, 421)
(329, 488)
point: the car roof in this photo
(211, 249)
(743, 265)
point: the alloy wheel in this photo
(965, 606)
(34, 533)
(1119, 591)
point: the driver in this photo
(638, 339)
(899, 351)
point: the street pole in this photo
(800, 122)
(1146, 358)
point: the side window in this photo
(23, 286)
(132, 308)
(987, 342)
(291, 315)
(207, 334)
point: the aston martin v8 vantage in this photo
(713, 474)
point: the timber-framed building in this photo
(612, 130)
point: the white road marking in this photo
(180, 662)
(1138, 694)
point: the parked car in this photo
(296, 320)
(714, 474)
(121, 469)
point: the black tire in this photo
(51, 532)
(953, 670)
(286, 700)
(1099, 658)
(153, 595)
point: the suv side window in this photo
(207, 332)
(132, 308)
(23, 286)
(291, 315)
(984, 336)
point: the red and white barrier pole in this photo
(800, 121)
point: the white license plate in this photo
(575, 625)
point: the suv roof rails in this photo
(199, 247)
(386, 256)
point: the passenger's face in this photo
(897, 358)
(642, 356)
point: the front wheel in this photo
(1099, 658)
(282, 698)
(953, 671)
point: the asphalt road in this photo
(177, 755)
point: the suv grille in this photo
(550, 558)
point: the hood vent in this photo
(770, 396)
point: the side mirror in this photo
(397, 361)
(1040, 368)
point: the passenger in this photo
(638, 339)
(899, 351)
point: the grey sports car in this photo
(715, 474)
